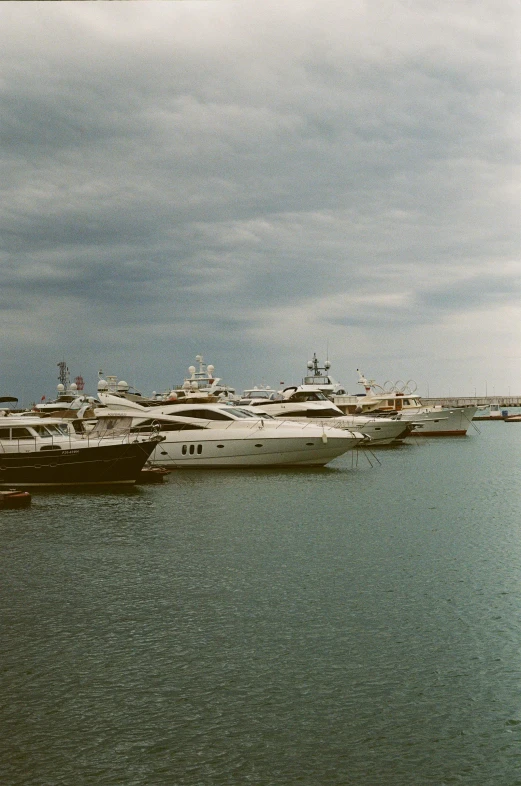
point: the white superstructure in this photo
(319, 378)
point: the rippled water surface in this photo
(351, 625)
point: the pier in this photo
(477, 401)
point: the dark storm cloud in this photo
(227, 173)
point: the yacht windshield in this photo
(42, 431)
(205, 414)
(253, 414)
(302, 395)
(257, 394)
(243, 413)
(59, 429)
(51, 430)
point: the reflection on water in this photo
(345, 625)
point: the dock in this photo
(499, 403)
(477, 401)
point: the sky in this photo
(258, 181)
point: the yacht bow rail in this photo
(67, 442)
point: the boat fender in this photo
(324, 438)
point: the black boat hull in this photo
(85, 466)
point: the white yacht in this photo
(220, 435)
(429, 421)
(312, 406)
(202, 382)
(70, 395)
(200, 386)
(68, 399)
(319, 378)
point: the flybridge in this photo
(317, 381)
(320, 377)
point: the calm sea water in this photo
(351, 625)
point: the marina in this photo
(265, 528)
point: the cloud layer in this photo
(259, 181)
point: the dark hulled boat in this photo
(50, 452)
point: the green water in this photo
(350, 625)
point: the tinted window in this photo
(42, 431)
(21, 433)
(180, 427)
(205, 414)
(143, 428)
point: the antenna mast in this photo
(63, 376)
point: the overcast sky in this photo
(256, 181)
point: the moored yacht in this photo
(319, 378)
(200, 386)
(68, 399)
(429, 421)
(69, 396)
(48, 451)
(312, 406)
(220, 435)
(203, 383)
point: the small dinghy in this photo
(14, 498)
(150, 474)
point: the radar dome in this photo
(186, 385)
(60, 388)
(210, 370)
(191, 369)
(327, 364)
(310, 364)
(194, 385)
(122, 385)
(74, 386)
(103, 384)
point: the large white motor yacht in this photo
(220, 435)
(312, 406)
